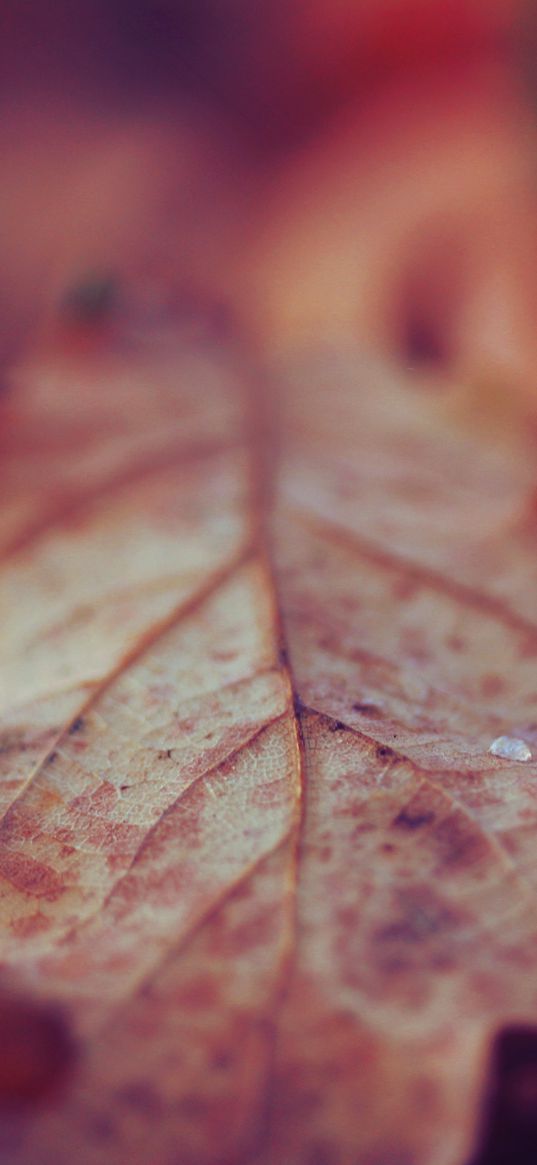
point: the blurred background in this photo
(333, 168)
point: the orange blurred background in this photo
(353, 168)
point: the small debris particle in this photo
(510, 748)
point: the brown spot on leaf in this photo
(405, 588)
(30, 877)
(456, 643)
(493, 685)
(421, 914)
(199, 994)
(460, 843)
(13, 739)
(25, 927)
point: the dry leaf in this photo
(266, 896)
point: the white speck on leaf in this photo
(510, 748)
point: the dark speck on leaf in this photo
(412, 821)
(337, 726)
(385, 753)
(77, 725)
(366, 709)
(283, 657)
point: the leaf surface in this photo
(253, 843)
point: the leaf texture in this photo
(257, 640)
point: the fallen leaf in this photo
(257, 863)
